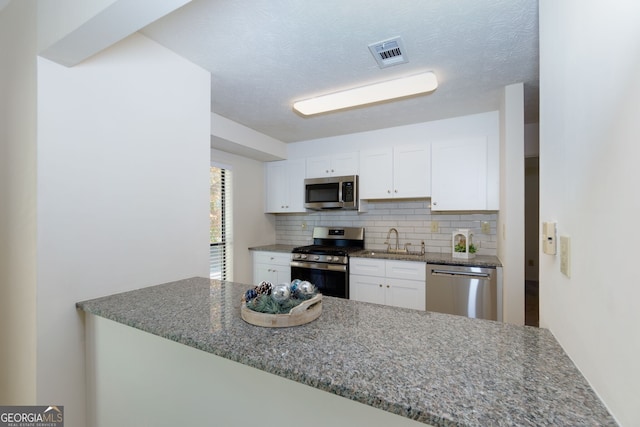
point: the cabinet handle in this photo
(388, 286)
(326, 171)
(395, 191)
(388, 191)
(380, 285)
(332, 170)
(434, 203)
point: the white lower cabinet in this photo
(388, 282)
(273, 267)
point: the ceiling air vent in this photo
(389, 52)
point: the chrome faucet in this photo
(388, 243)
(397, 240)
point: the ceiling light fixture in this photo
(391, 89)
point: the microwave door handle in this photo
(340, 199)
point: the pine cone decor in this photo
(264, 288)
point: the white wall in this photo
(17, 203)
(251, 226)
(454, 128)
(589, 175)
(207, 390)
(123, 165)
(511, 219)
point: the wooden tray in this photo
(305, 312)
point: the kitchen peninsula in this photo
(171, 350)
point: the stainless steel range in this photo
(326, 262)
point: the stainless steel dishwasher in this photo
(462, 290)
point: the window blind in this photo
(220, 242)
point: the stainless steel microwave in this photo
(335, 192)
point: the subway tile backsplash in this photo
(413, 219)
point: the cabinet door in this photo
(285, 186)
(276, 187)
(406, 293)
(295, 185)
(318, 167)
(367, 289)
(265, 272)
(283, 274)
(376, 173)
(344, 164)
(459, 174)
(271, 266)
(411, 171)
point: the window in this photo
(220, 247)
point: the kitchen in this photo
(568, 310)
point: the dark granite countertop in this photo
(274, 248)
(431, 257)
(435, 368)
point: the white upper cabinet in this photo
(285, 186)
(399, 172)
(332, 165)
(376, 173)
(412, 171)
(459, 170)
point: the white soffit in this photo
(119, 20)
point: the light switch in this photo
(485, 227)
(565, 255)
(435, 226)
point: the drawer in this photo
(272, 258)
(367, 267)
(410, 270)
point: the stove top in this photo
(331, 245)
(324, 249)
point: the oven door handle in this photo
(319, 266)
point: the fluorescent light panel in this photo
(392, 89)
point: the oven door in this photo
(330, 279)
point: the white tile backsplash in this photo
(411, 218)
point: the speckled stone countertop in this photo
(431, 257)
(434, 368)
(274, 248)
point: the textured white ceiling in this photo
(265, 54)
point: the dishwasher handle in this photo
(449, 273)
